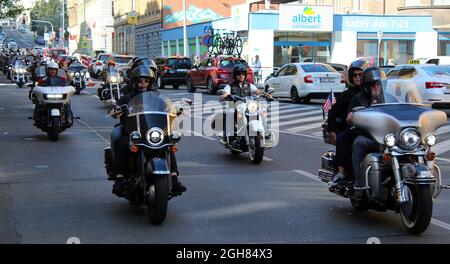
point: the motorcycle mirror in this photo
(270, 90)
(220, 92)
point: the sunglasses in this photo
(143, 81)
(357, 74)
(241, 73)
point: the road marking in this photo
(442, 147)
(200, 135)
(98, 134)
(440, 223)
(315, 178)
(299, 121)
(305, 127)
(298, 114)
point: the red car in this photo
(54, 53)
(215, 73)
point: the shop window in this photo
(444, 48)
(398, 51)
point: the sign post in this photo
(380, 37)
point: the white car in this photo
(432, 82)
(101, 60)
(305, 81)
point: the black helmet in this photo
(356, 65)
(139, 61)
(142, 72)
(239, 69)
(370, 76)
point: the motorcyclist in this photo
(142, 79)
(372, 93)
(137, 61)
(339, 132)
(52, 78)
(240, 87)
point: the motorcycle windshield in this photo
(396, 107)
(148, 110)
(77, 68)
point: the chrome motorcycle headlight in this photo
(77, 74)
(113, 79)
(155, 136)
(409, 138)
(389, 140)
(175, 136)
(252, 107)
(431, 140)
(88, 75)
(71, 74)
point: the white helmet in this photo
(52, 65)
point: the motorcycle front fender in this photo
(256, 126)
(159, 166)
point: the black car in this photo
(172, 71)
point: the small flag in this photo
(331, 100)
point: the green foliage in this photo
(10, 8)
(48, 10)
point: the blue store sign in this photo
(398, 24)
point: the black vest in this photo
(240, 91)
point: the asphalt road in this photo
(52, 191)
(23, 40)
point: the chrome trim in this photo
(151, 112)
(151, 130)
(161, 172)
(155, 147)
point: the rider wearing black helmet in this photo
(137, 62)
(339, 132)
(372, 93)
(142, 79)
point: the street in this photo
(52, 191)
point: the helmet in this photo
(139, 61)
(370, 76)
(356, 65)
(111, 62)
(239, 69)
(142, 72)
(52, 65)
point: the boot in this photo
(177, 187)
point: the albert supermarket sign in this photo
(306, 18)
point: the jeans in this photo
(361, 147)
(344, 142)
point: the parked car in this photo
(432, 81)
(172, 71)
(306, 81)
(214, 73)
(122, 60)
(440, 60)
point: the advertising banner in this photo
(306, 18)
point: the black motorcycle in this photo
(80, 75)
(150, 126)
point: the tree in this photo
(10, 8)
(48, 10)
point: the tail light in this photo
(431, 85)
(98, 63)
(309, 79)
(342, 79)
(166, 68)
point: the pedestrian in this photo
(257, 69)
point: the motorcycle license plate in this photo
(182, 70)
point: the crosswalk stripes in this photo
(308, 119)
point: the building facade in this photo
(124, 31)
(148, 28)
(90, 34)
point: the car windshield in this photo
(122, 60)
(437, 70)
(229, 63)
(103, 58)
(316, 68)
(19, 63)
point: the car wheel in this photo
(294, 95)
(190, 85)
(210, 86)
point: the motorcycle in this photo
(80, 75)
(250, 131)
(152, 134)
(19, 73)
(52, 112)
(109, 93)
(402, 176)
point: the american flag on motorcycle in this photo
(331, 100)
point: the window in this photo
(407, 73)
(401, 51)
(232, 63)
(282, 72)
(291, 70)
(393, 74)
(315, 68)
(444, 48)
